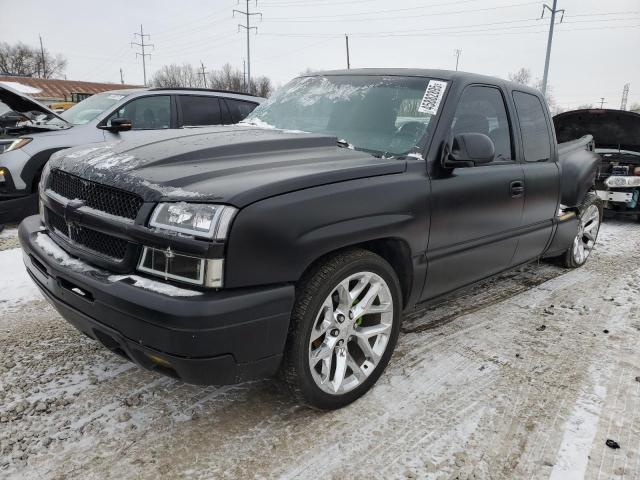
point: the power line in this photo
(248, 28)
(402, 17)
(553, 11)
(143, 45)
(447, 31)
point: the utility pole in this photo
(203, 72)
(602, 102)
(457, 52)
(44, 67)
(346, 38)
(244, 74)
(625, 96)
(121, 77)
(143, 45)
(553, 11)
(248, 28)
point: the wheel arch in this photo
(395, 251)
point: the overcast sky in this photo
(595, 49)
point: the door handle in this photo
(516, 188)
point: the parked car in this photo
(292, 242)
(115, 115)
(617, 136)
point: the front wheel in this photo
(589, 220)
(344, 327)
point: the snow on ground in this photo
(8, 233)
(525, 375)
(16, 287)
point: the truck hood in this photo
(616, 129)
(237, 165)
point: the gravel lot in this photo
(523, 376)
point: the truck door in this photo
(541, 177)
(476, 211)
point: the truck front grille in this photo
(95, 195)
(97, 242)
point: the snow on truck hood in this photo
(230, 164)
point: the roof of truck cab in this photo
(450, 75)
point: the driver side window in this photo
(482, 110)
(146, 113)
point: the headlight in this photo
(621, 182)
(16, 144)
(197, 219)
(183, 268)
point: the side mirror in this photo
(469, 150)
(118, 125)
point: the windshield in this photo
(88, 109)
(380, 114)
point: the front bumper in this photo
(215, 338)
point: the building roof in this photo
(59, 90)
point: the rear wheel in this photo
(344, 328)
(589, 220)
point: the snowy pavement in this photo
(526, 375)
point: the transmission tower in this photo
(248, 28)
(143, 45)
(203, 72)
(456, 53)
(625, 96)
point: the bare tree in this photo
(635, 107)
(174, 75)
(585, 106)
(226, 78)
(22, 60)
(230, 78)
(522, 76)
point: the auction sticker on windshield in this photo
(115, 97)
(432, 97)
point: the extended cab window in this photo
(200, 110)
(146, 113)
(533, 125)
(482, 110)
(239, 109)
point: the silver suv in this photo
(26, 146)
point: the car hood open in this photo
(617, 129)
(19, 102)
(229, 164)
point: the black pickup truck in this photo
(291, 243)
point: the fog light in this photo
(183, 268)
(2, 172)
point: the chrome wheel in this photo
(587, 234)
(351, 332)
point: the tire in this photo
(329, 301)
(589, 220)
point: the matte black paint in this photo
(301, 197)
